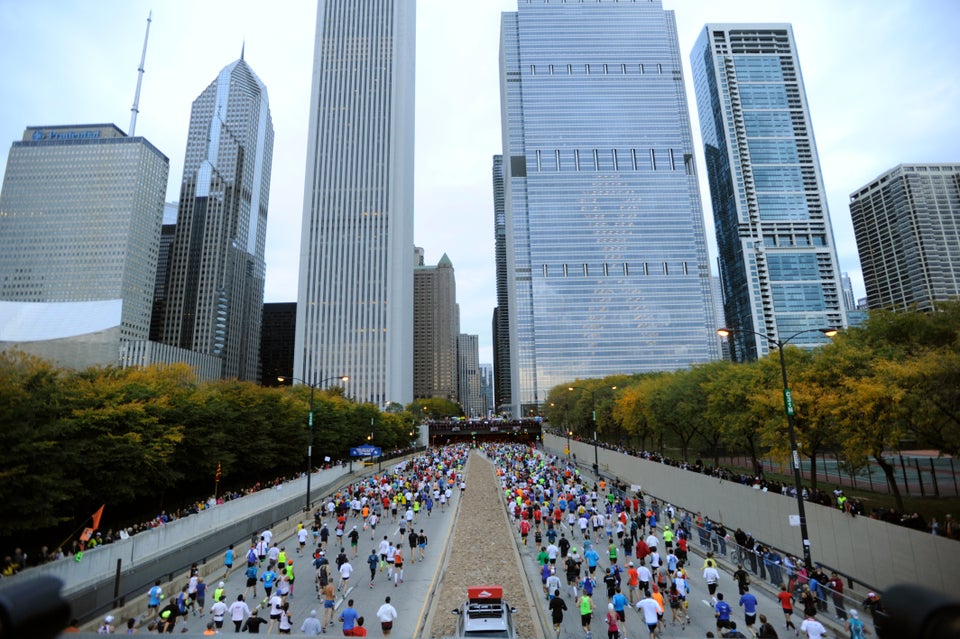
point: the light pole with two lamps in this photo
(788, 408)
(313, 387)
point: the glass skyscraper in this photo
(215, 285)
(501, 316)
(778, 264)
(605, 243)
(355, 299)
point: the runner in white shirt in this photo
(650, 609)
(813, 628)
(276, 601)
(345, 571)
(219, 611)
(302, 536)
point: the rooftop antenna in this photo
(135, 109)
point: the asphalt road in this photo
(409, 597)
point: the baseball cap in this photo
(630, 563)
(109, 619)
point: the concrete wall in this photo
(141, 559)
(873, 552)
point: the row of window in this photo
(622, 269)
(600, 69)
(613, 160)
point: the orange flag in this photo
(96, 517)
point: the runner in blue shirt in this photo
(722, 613)
(268, 577)
(749, 603)
(592, 558)
(349, 618)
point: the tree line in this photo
(153, 438)
(889, 384)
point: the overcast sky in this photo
(881, 77)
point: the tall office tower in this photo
(718, 312)
(907, 224)
(167, 233)
(80, 215)
(606, 249)
(276, 342)
(501, 314)
(217, 268)
(355, 300)
(778, 263)
(846, 287)
(436, 325)
(468, 362)
(486, 388)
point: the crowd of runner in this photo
(334, 542)
(593, 539)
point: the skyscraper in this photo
(605, 242)
(80, 216)
(468, 376)
(436, 325)
(355, 299)
(907, 224)
(501, 314)
(215, 285)
(778, 264)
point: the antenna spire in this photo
(136, 98)
(243, 48)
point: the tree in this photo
(731, 405)
(35, 489)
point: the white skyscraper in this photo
(355, 300)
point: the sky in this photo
(882, 80)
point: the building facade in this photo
(355, 298)
(606, 252)
(907, 225)
(80, 216)
(486, 388)
(501, 314)
(436, 325)
(468, 377)
(778, 264)
(276, 342)
(214, 293)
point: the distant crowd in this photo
(837, 499)
(19, 560)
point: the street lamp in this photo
(788, 408)
(313, 387)
(593, 418)
(569, 433)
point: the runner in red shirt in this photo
(786, 604)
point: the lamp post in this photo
(788, 408)
(313, 387)
(593, 419)
(569, 433)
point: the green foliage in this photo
(128, 437)
(894, 380)
(434, 408)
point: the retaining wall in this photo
(874, 552)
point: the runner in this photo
(386, 614)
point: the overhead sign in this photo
(365, 451)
